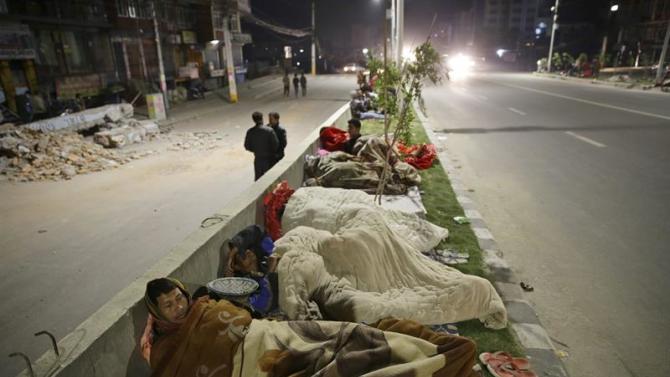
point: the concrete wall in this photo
(106, 344)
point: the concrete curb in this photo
(621, 85)
(523, 319)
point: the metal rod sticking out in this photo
(26, 359)
(54, 344)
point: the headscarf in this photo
(156, 322)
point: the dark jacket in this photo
(303, 81)
(296, 81)
(349, 145)
(280, 132)
(262, 142)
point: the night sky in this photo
(336, 17)
(340, 22)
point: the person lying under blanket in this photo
(205, 337)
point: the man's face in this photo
(173, 305)
(353, 131)
(274, 121)
(246, 262)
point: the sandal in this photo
(508, 370)
(498, 358)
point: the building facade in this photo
(64, 49)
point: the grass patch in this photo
(441, 206)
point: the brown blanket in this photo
(219, 339)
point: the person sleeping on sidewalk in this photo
(205, 337)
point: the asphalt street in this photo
(69, 246)
(573, 181)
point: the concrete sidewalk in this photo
(215, 99)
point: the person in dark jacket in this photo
(280, 132)
(287, 85)
(354, 129)
(262, 142)
(303, 84)
(296, 83)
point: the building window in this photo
(133, 8)
(74, 49)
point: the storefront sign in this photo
(217, 73)
(242, 38)
(189, 37)
(16, 42)
(174, 39)
(85, 86)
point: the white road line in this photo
(590, 102)
(586, 139)
(516, 111)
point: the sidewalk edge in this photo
(523, 320)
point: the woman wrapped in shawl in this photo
(218, 339)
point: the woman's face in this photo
(173, 305)
(246, 261)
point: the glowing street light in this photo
(614, 8)
(365, 51)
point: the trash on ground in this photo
(461, 220)
(526, 287)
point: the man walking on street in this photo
(280, 132)
(287, 85)
(262, 142)
(303, 83)
(296, 82)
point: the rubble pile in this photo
(28, 155)
(126, 131)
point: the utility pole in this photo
(400, 26)
(313, 37)
(159, 52)
(394, 30)
(554, 26)
(661, 62)
(230, 66)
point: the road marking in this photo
(261, 95)
(586, 139)
(516, 111)
(638, 112)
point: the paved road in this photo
(105, 229)
(573, 181)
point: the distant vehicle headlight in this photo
(461, 63)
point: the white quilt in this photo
(361, 263)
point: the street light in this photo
(554, 26)
(365, 51)
(603, 50)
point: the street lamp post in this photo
(603, 50)
(661, 61)
(313, 38)
(554, 26)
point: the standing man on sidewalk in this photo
(296, 82)
(303, 83)
(280, 132)
(287, 85)
(262, 142)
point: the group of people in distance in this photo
(297, 82)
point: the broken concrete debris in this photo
(135, 132)
(83, 120)
(27, 155)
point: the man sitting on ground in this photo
(354, 129)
